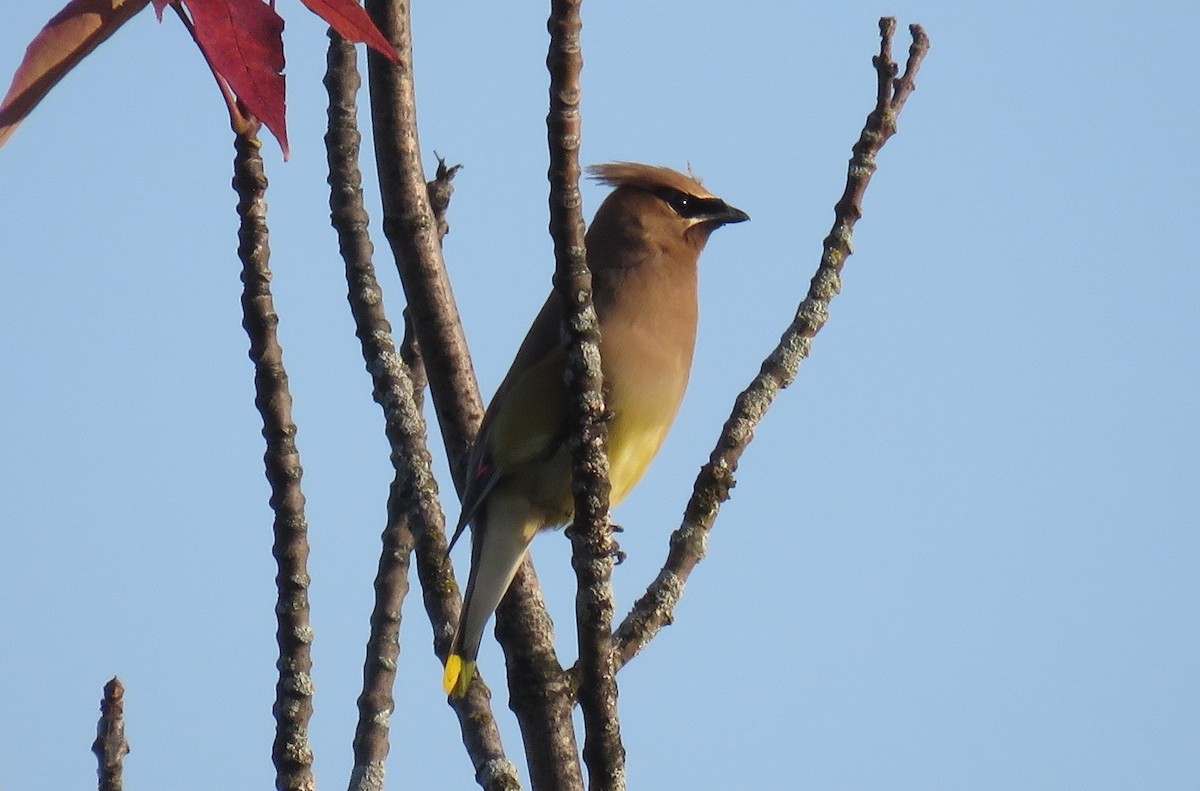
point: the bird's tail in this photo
(459, 670)
(498, 545)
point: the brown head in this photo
(655, 211)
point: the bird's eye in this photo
(690, 206)
(683, 204)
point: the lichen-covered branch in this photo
(592, 546)
(110, 747)
(414, 517)
(292, 752)
(688, 544)
(349, 217)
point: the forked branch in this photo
(656, 607)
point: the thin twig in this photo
(110, 746)
(440, 190)
(688, 544)
(414, 514)
(292, 751)
(410, 355)
(592, 546)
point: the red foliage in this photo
(351, 22)
(242, 40)
(66, 39)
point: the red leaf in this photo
(66, 39)
(349, 19)
(243, 40)
(159, 7)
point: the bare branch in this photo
(440, 190)
(539, 693)
(292, 751)
(688, 544)
(412, 232)
(110, 746)
(342, 142)
(410, 355)
(522, 622)
(591, 534)
(414, 514)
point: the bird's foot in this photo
(618, 554)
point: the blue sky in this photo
(963, 549)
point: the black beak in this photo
(730, 215)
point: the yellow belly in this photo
(637, 431)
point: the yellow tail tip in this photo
(457, 677)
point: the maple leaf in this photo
(242, 40)
(66, 39)
(352, 23)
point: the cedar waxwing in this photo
(643, 246)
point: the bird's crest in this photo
(647, 177)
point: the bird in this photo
(643, 247)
